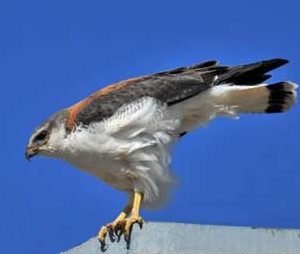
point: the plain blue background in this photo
(54, 53)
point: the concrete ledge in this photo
(170, 238)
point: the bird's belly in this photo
(107, 169)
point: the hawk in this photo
(123, 133)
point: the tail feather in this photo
(234, 90)
(282, 96)
(263, 98)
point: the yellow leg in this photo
(134, 216)
(111, 226)
(137, 200)
(122, 215)
(123, 222)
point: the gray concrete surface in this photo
(167, 238)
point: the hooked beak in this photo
(30, 152)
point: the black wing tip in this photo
(276, 62)
(253, 73)
(206, 64)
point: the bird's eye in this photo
(41, 136)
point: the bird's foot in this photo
(117, 228)
(127, 229)
(101, 237)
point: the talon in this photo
(102, 234)
(140, 222)
(119, 229)
(127, 235)
(111, 234)
(104, 246)
(129, 226)
(101, 237)
(127, 231)
(114, 230)
(119, 236)
(111, 228)
(123, 224)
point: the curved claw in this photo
(111, 234)
(129, 226)
(116, 230)
(103, 245)
(140, 222)
(101, 237)
(119, 229)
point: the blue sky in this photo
(54, 53)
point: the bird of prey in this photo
(123, 133)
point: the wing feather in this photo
(169, 87)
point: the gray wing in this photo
(169, 87)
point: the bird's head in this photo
(47, 137)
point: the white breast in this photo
(130, 150)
